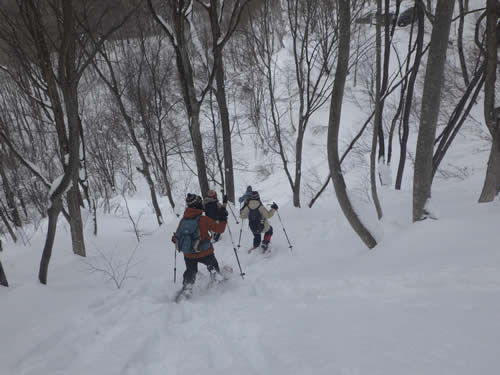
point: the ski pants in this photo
(189, 276)
(267, 237)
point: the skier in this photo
(244, 198)
(212, 207)
(257, 216)
(193, 239)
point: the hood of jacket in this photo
(191, 213)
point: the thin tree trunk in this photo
(334, 125)
(491, 115)
(431, 100)
(377, 123)
(409, 92)
(220, 94)
(491, 185)
(199, 154)
(460, 47)
(298, 164)
(53, 213)
(76, 224)
(3, 276)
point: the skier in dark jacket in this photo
(212, 208)
(204, 252)
(258, 216)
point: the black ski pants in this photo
(189, 276)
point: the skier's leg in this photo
(212, 265)
(268, 235)
(211, 262)
(189, 276)
(256, 239)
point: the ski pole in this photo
(284, 230)
(230, 209)
(175, 263)
(242, 274)
(241, 230)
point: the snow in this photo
(426, 300)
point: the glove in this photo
(174, 239)
(224, 198)
(222, 214)
(274, 206)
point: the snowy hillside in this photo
(424, 301)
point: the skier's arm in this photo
(215, 226)
(244, 213)
(266, 213)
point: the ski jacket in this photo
(266, 214)
(211, 207)
(205, 224)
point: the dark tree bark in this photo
(431, 100)
(334, 125)
(460, 47)
(377, 123)
(409, 96)
(491, 185)
(3, 276)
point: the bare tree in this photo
(431, 99)
(405, 122)
(223, 23)
(47, 41)
(491, 185)
(334, 125)
(377, 123)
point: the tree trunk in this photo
(298, 164)
(220, 95)
(377, 123)
(3, 276)
(199, 154)
(491, 183)
(431, 100)
(76, 224)
(334, 125)
(53, 213)
(460, 37)
(419, 6)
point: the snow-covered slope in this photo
(426, 301)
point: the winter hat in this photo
(212, 194)
(249, 189)
(194, 201)
(254, 195)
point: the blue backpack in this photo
(255, 220)
(188, 237)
